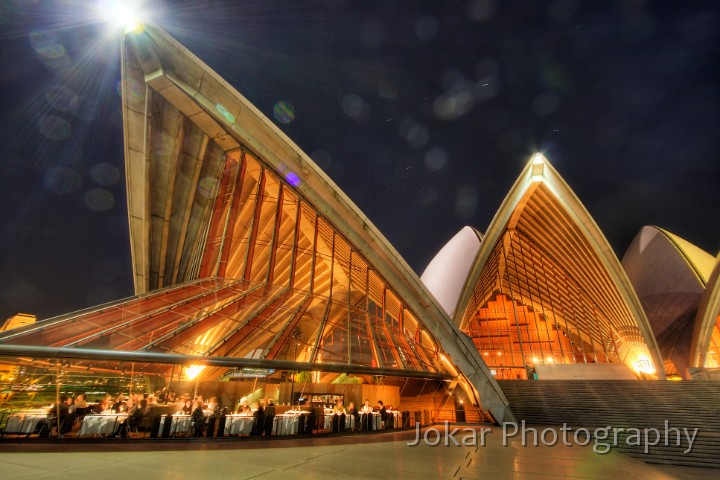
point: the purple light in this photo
(292, 179)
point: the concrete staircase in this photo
(628, 404)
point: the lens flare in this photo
(123, 15)
(284, 112)
(292, 178)
(225, 113)
(54, 127)
(47, 45)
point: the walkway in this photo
(378, 456)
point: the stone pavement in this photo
(376, 456)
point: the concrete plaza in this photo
(374, 456)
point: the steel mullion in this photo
(270, 275)
(248, 319)
(255, 225)
(329, 300)
(202, 317)
(153, 313)
(229, 227)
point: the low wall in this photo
(585, 371)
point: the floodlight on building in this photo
(193, 371)
(538, 167)
(123, 15)
(128, 20)
(644, 365)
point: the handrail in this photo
(228, 362)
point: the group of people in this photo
(66, 411)
(264, 414)
(205, 416)
(340, 412)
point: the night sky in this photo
(424, 113)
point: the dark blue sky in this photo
(424, 113)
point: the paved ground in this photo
(357, 456)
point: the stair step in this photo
(627, 404)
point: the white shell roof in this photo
(447, 272)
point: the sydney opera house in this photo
(252, 268)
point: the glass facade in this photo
(543, 297)
(279, 282)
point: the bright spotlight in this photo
(538, 159)
(193, 371)
(124, 15)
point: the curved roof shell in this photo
(445, 274)
(543, 246)
(705, 346)
(669, 276)
(243, 248)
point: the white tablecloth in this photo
(180, 424)
(23, 422)
(374, 420)
(349, 422)
(285, 424)
(238, 424)
(101, 424)
(397, 422)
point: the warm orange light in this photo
(538, 159)
(193, 371)
(643, 365)
(538, 166)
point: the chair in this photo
(133, 423)
(80, 414)
(66, 423)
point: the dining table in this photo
(24, 422)
(101, 424)
(349, 421)
(179, 423)
(370, 421)
(239, 424)
(287, 423)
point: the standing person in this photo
(259, 422)
(352, 411)
(198, 419)
(383, 414)
(269, 417)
